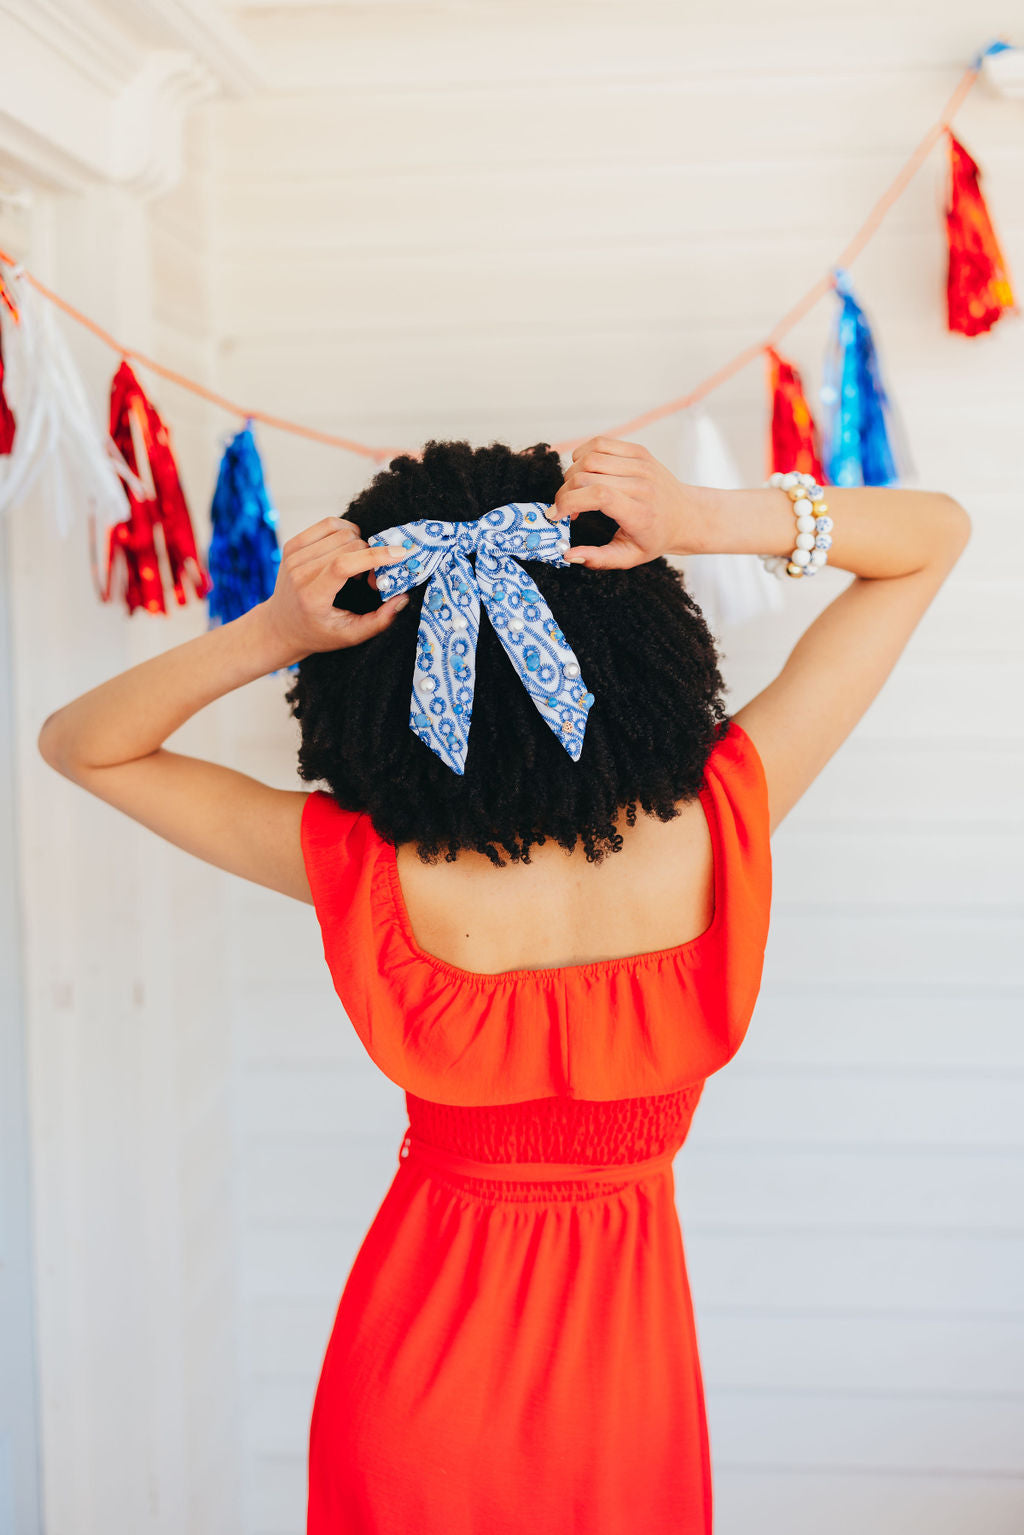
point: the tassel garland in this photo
(244, 553)
(57, 444)
(8, 299)
(7, 422)
(859, 451)
(47, 435)
(978, 290)
(794, 435)
(155, 500)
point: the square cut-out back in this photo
(645, 1023)
(592, 967)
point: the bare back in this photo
(560, 910)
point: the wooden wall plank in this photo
(402, 251)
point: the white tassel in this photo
(55, 430)
(729, 589)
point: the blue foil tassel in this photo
(858, 447)
(244, 553)
(989, 51)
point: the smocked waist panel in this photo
(574, 1131)
(530, 1182)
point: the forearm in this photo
(876, 532)
(133, 714)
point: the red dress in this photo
(514, 1350)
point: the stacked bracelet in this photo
(813, 527)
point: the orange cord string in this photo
(824, 284)
(699, 392)
(296, 428)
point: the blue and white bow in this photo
(443, 554)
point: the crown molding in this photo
(79, 34)
(1004, 72)
(29, 159)
(148, 121)
(202, 28)
(88, 102)
(135, 140)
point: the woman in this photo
(514, 1348)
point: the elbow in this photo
(53, 747)
(44, 740)
(956, 519)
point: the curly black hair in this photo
(643, 646)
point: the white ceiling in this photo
(283, 47)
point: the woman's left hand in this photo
(655, 512)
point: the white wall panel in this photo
(939, 1501)
(956, 1028)
(129, 1045)
(528, 226)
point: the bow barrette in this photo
(464, 563)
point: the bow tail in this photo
(538, 650)
(444, 675)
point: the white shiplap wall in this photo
(525, 223)
(183, 338)
(128, 1040)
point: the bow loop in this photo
(464, 564)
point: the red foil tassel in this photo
(7, 298)
(7, 423)
(142, 440)
(978, 287)
(795, 444)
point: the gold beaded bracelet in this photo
(813, 527)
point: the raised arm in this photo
(110, 740)
(900, 546)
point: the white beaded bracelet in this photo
(813, 527)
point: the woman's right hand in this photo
(656, 514)
(315, 565)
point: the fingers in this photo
(365, 558)
(345, 535)
(319, 530)
(617, 464)
(610, 446)
(606, 476)
(630, 484)
(598, 497)
(363, 626)
(332, 575)
(619, 554)
(340, 562)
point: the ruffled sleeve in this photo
(670, 1019)
(334, 843)
(340, 849)
(743, 887)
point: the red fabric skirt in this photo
(514, 1350)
